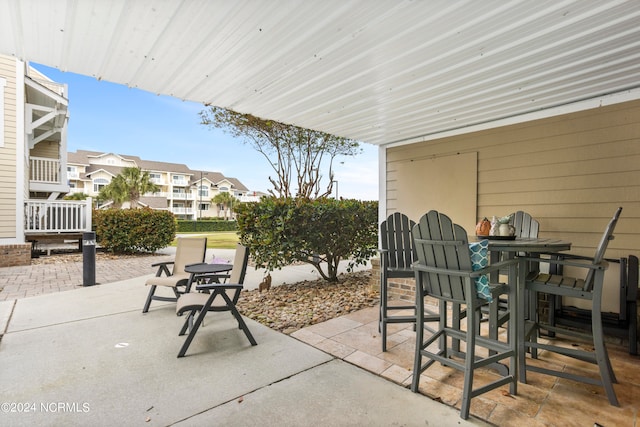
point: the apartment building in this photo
(185, 192)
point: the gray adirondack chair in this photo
(525, 226)
(443, 270)
(590, 289)
(397, 253)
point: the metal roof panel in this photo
(379, 71)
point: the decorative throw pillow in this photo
(479, 260)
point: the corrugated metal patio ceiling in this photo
(379, 71)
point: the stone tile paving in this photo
(43, 277)
(544, 401)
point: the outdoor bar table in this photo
(530, 246)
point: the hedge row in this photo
(134, 230)
(206, 226)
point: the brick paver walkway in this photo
(31, 280)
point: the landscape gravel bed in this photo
(287, 308)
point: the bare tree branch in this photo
(289, 150)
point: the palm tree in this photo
(225, 199)
(129, 185)
(75, 196)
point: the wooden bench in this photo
(52, 241)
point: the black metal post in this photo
(88, 258)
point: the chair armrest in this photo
(163, 267)
(211, 286)
(494, 267)
(165, 263)
(581, 257)
(214, 276)
(383, 259)
(603, 265)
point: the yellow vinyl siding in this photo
(570, 172)
(46, 149)
(8, 152)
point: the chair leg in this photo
(243, 326)
(188, 323)
(633, 328)
(469, 362)
(149, 298)
(382, 325)
(455, 323)
(493, 321)
(417, 361)
(602, 358)
(533, 303)
(192, 332)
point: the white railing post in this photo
(43, 169)
(59, 216)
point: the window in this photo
(179, 193)
(223, 189)
(203, 191)
(72, 172)
(203, 206)
(155, 177)
(99, 184)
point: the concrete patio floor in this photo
(90, 357)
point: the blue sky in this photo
(112, 118)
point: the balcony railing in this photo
(45, 170)
(182, 211)
(181, 196)
(59, 216)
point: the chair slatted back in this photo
(441, 244)
(602, 248)
(525, 225)
(395, 238)
(189, 250)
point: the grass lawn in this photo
(215, 240)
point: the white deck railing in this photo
(42, 169)
(59, 216)
(181, 211)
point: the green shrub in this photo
(134, 230)
(206, 226)
(280, 231)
